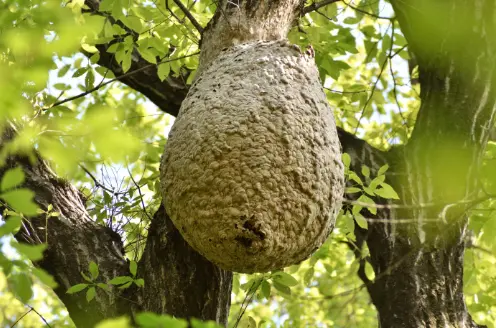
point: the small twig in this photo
(98, 184)
(191, 18)
(31, 309)
(316, 5)
(470, 202)
(115, 79)
(247, 301)
(481, 249)
(371, 94)
(42, 318)
(342, 92)
(20, 318)
(139, 192)
(388, 58)
(367, 13)
(395, 93)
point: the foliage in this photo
(108, 142)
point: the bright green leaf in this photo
(93, 267)
(77, 288)
(21, 201)
(90, 294)
(133, 267)
(32, 252)
(163, 71)
(120, 280)
(386, 192)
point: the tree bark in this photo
(419, 267)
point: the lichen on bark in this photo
(251, 173)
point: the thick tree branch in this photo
(169, 93)
(188, 285)
(73, 240)
(188, 14)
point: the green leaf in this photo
(148, 55)
(356, 209)
(353, 176)
(106, 5)
(80, 72)
(307, 278)
(352, 190)
(11, 225)
(12, 178)
(93, 267)
(76, 288)
(63, 71)
(32, 252)
(283, 289)
(126, 285)
(383, 169)
(163, 71)
(133, 22)
(21, 201)
(284, 279)
(369, 271)
(265, 288)
(62, 86)
(107, 198)
(153, 320)
(133, 267)
(365, 171)
(120, 280)
(351, 20)
(139, 282)
(386, 192)
(90, 294)
(365, 199)
(89, 80)
(126, 62)
(103, 286)
(21, 285)
(88, 279)
(196, 323)
(252, 323)
(346, 159)
(361, 221)
(122, 322)
(349, 223)
(368, 191)
(376, 182)
(45, 277)
(89, 48)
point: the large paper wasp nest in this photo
(252, 174)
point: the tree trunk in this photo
(419, 267)
(178, 281)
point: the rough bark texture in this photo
(73, 240)
(184, 282)
(420, 265)
(252, 170)
(419, 275)
(179, 281)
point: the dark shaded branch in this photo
(188, 14)
(168, 93)
(118, 78)
(73, 240)
(316, 5)
(188, 285)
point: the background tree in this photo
(80, 161)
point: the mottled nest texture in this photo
(252, 174)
